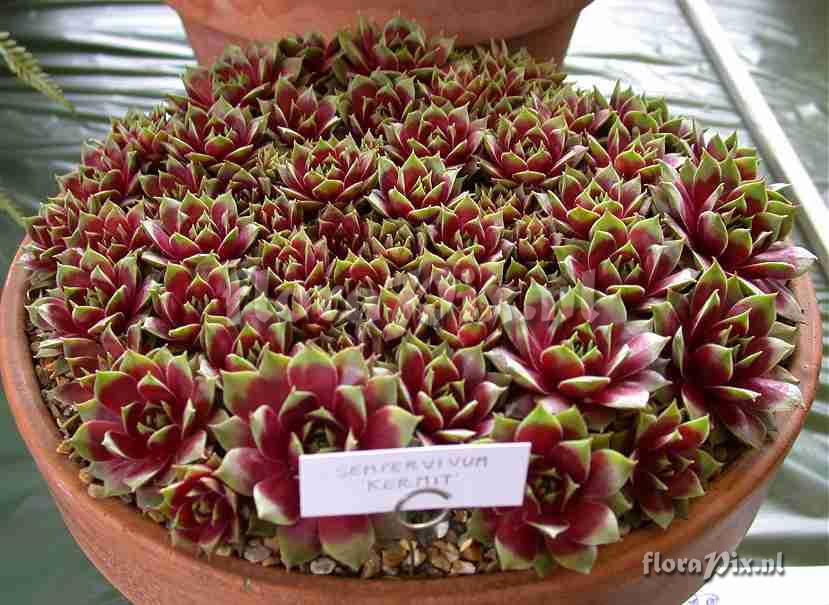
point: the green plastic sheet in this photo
(113, 55)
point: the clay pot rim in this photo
(620, 560)
(249, 16)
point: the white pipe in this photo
(774, 146)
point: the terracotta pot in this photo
(544, 27)
(136, 556)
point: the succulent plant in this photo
(669, 462)
(471, 322)
(579, 201)
(416, 189)
(222, 133)
(391, 314)
(176, 179)
(566, 512)
(292, 258)
(635, 261)
(491, 81)
(380, 241)
(467, 226)
(114, 167)
(344, 231)
(581, 112)
(371, 101)
(142, 134)
(297, 116)
(527, 151)
(190, 293)
(147, 416)
(202, 510)
(201, 225)
(573, 352)
(399, 46)
(464, 84)
(308, 402)
(93, 285)
(731, 216)
(335, 172)
(263, 327)
(452, 136)
(451, 394)
(725, 355)
(242, 76)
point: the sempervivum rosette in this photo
(369, 102)
(638, 261)
(567, 511)
(453, 395)
(578, 202)
(670, 466)
(200, 225)
(94, 286)
(571, 352)
(202, 510)
(526, 150)
(468, 226)
(334, 172)
(416, 189)
(229, 347)
(732, 216)
(222, 133)
(240, 76)
(308, 402)
(296, 115)
(399, 46)
(450, 135)
(380, 241)
(188, 294)
(726, 352)
(146, 416)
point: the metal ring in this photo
(398, 508)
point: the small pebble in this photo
(322, 566)
(449, 550)
(85, 476)
(257, 553)
(96, 491)
(463, 568)
(393, 557)
(435, 572)
(438, 560)
(471, 551)
(371, 567)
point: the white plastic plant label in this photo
(374, 481)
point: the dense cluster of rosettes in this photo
(383, 241)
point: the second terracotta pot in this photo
(544, 27)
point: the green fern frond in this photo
(8, 206)
(23, 65)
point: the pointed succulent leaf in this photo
(348, 540)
